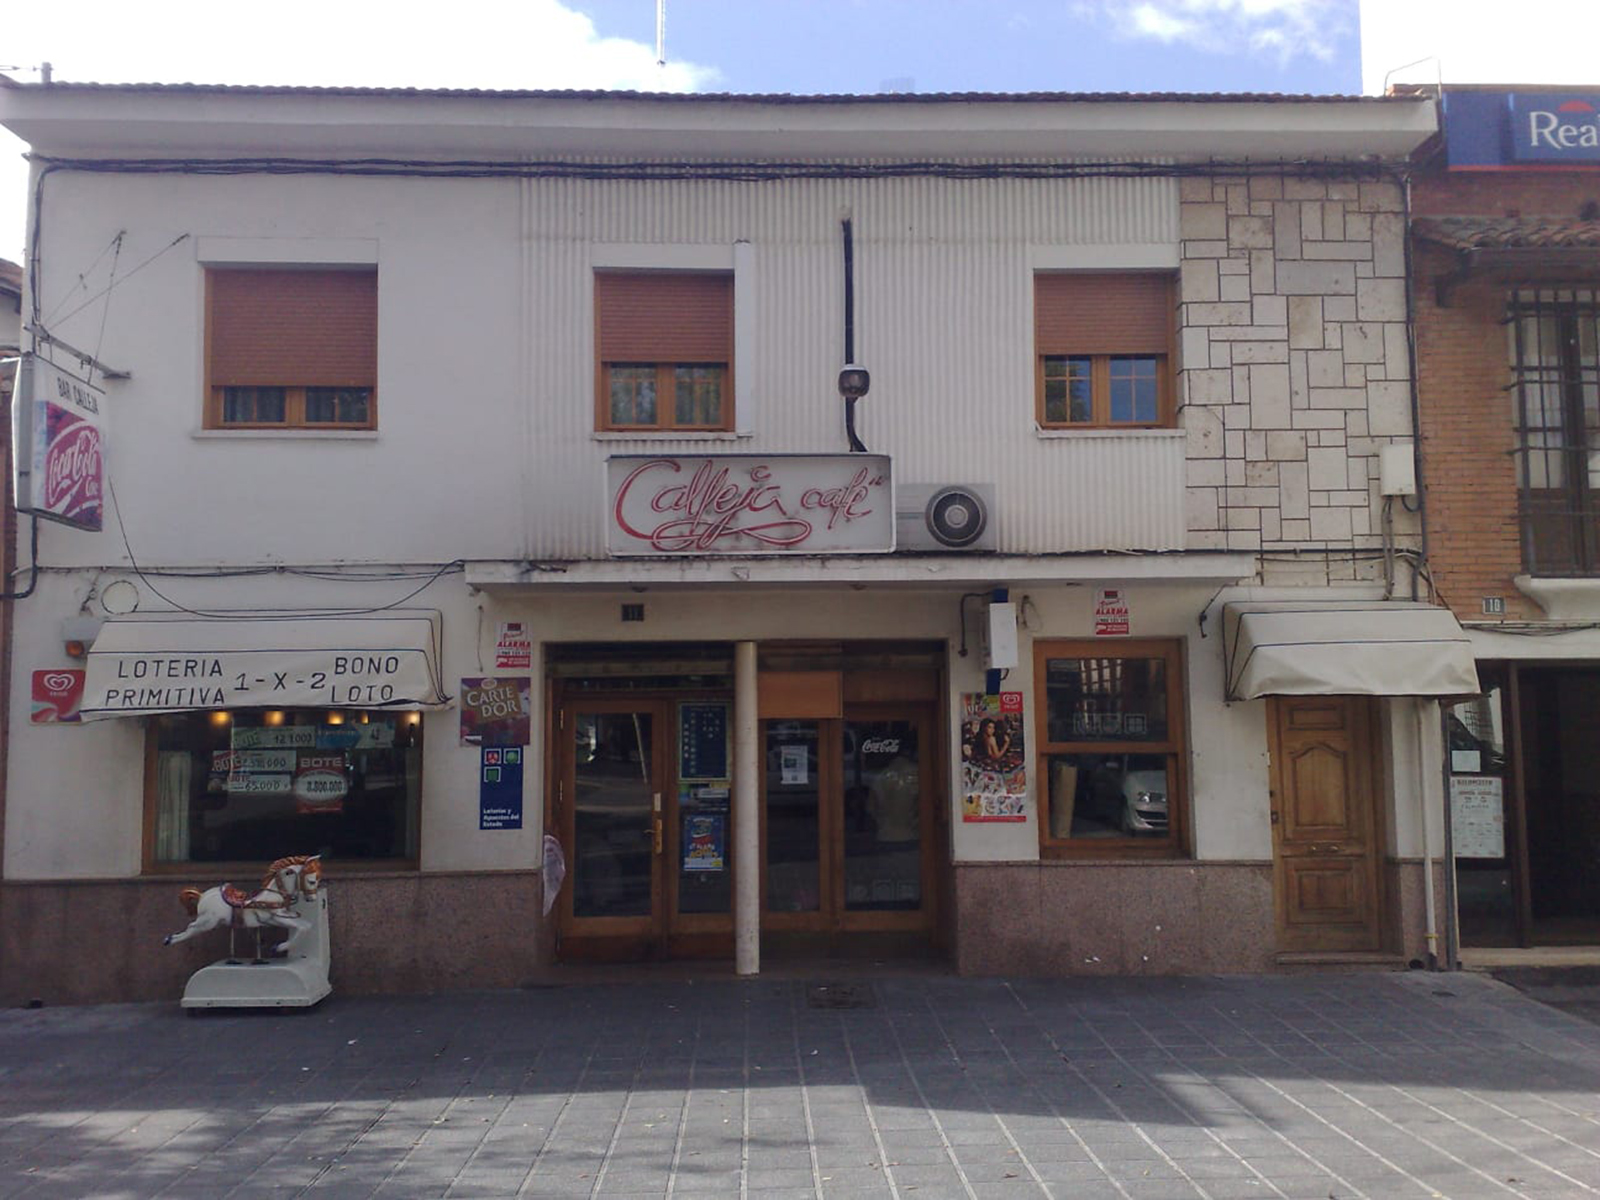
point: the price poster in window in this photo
(1477, 816)
(994, 757)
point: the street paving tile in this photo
(1373, 1085)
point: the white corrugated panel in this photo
(944, 320)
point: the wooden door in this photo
(610, 818)
(1324, 824)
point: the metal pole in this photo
(746, 814)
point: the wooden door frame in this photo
(642, 933)
(1364, 726)
(831, 916)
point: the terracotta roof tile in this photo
(1509, 233)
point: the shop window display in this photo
(252, 786)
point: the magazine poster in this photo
(994, 757)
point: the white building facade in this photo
(477, 470)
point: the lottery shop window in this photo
(1111, 759)
(250, 786)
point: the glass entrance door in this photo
(611, 819)
(847, 806)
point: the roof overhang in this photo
(1346, 647)
(861, 571)
(86, 120)
(177, 662)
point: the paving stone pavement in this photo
(1305, 1086)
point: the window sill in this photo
(670, 435)
(1110, 851)
(1052, 431)
(1562, 598)
(285, 435)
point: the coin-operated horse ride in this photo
(293, 974)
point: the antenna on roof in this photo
(661, 33)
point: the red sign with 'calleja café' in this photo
(749, 504)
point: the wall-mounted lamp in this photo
(853, 384)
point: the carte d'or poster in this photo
(994, 758)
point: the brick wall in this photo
(1295, 370)
(1466, 413)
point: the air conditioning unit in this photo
(944, 516)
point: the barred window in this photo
(1555, 345)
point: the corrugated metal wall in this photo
(943, 320)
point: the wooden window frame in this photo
(295, 391)
(665, 369)
(1101, 347)
(1174, 845)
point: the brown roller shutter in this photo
(662, 317)
(293, 328)
(1123, 313)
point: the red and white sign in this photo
(749, 504)
(320, 783)
(1110, 612)
(59, 470)
(513, 651)
(56, 696)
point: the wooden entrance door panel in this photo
(1323, 824)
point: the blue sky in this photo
(1003, 45)
(796, 46)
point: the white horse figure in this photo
(287, 880)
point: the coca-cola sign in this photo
(744, 504)
(59, 468)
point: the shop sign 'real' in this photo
(1555, 128)
(59, 468)
(748, 504)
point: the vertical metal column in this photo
(746, 814)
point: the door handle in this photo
(655, 834)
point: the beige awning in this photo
(176, 662)
(1357, 648)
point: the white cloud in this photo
(497, 44)
(1280, 29)
(1472, 41)
(469, 44)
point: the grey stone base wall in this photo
(1123, 918)
(88, 942)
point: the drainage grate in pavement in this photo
(840, 995)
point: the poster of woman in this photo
(994, 770)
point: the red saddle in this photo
(239, 898)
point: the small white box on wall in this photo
(1397, 470)
(1002, 636)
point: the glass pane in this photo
(1108, 795)
(698, 398)
(254, 405)
(614, 812)
(705, 847)
(793, 842)
(882, 817)
(259, 785)
(1135, 390)
(1106, 699)
(1485, 900)
(1068, 389)
(633, 393)
(338, 406)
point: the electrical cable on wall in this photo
(116, 510)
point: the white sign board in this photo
(1477, 816)
(169, 663)
(59, 473)
(713, 504)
